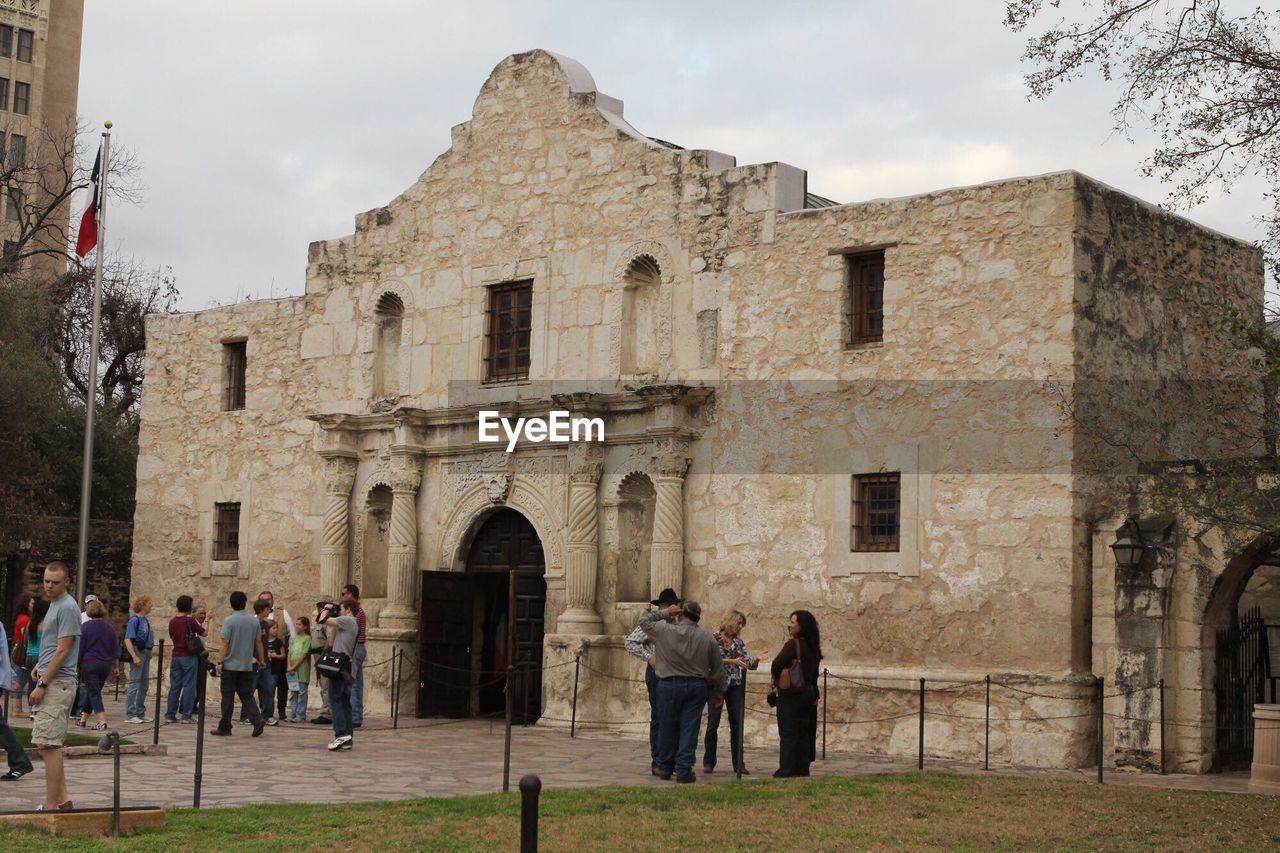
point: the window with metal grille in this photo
(226, 534)
(26, 42)
(876, 511)
(22, 98)
(865, 275)
(233, 368)
(508, 324)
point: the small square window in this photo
(22, 98)
(507, 336)
(865, 299)
(226, 535)
(234, 355)
(26, 42)
(877, 507)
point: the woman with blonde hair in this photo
(138, 642)
(736, 662)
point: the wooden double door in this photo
(474, 623)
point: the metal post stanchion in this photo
(573, 712)
(118, 668)
(742, 721)
(1162, 765)
(1101, 682)
(986, 749)
(397, 664)
(155, 735)
(111, 741)
(506, 748)
(530, 787)
(825, 671)
(202, 690)
(920, 746)
(524, 686)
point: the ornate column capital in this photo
(670, 456)
(586, 463)
(405, 471)
(339, 473)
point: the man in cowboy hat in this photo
(690, 670)
(639, 645)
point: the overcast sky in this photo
(265, 124)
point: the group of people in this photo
(689, 669)
(61, 656)
(271, 675)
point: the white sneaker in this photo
(134, 720)
(271, 721)
(341, 742)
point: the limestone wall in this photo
(988, 310)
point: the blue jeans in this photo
(357, 685)
(93, 674)
(795, 744)
(681, 701)
(182, 686)
(734, 701)
(340, 706)
(298, 702)
(135, 701)
(651, 684)
(266, 687)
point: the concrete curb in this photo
(92, 751)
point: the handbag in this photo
(195, 642)
(334, 664)
(18, 657)
(791, 681)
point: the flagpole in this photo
(91, 385)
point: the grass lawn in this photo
(73, 737)
(932, 810)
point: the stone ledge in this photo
(87, 821)
(158, 749)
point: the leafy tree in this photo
(1205, 80)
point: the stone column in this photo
(402, 552)
(340, 476)
(666, 560)
(580, 615)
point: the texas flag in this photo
(88, 236)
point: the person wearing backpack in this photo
(188, 643)
(138, 642)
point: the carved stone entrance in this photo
(475, 622)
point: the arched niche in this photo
(636, 500)
(388, 335)
(376, 542)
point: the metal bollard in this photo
(742, 734)
(986, 749)
(573, 713)
(1162, 765)
(202, 690)
(506, 749)
(111, 741)
(920, 747)
(1101, 733)
(530, 787)
(155, 736)
(825, 671)
(397, 667)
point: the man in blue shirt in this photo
(19, 761)
(241, 651)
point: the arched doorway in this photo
(1235, 640)
(475, 622)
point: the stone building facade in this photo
(849, 409)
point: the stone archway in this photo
(477, 621)
(1234, 657)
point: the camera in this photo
(331, 611)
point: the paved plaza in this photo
(432, 758)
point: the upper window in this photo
(17, 150)
(233, 365)
(26, 41)
(226, 534)
(4, 93)
(877, 505)
(6, 40)
(21, 98)
(14, 203)
(865, 276)
(509, 320)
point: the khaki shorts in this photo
(52, 714)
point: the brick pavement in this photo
(432, 758)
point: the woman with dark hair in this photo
(21, 623)
(796, 709)
(39, 610)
